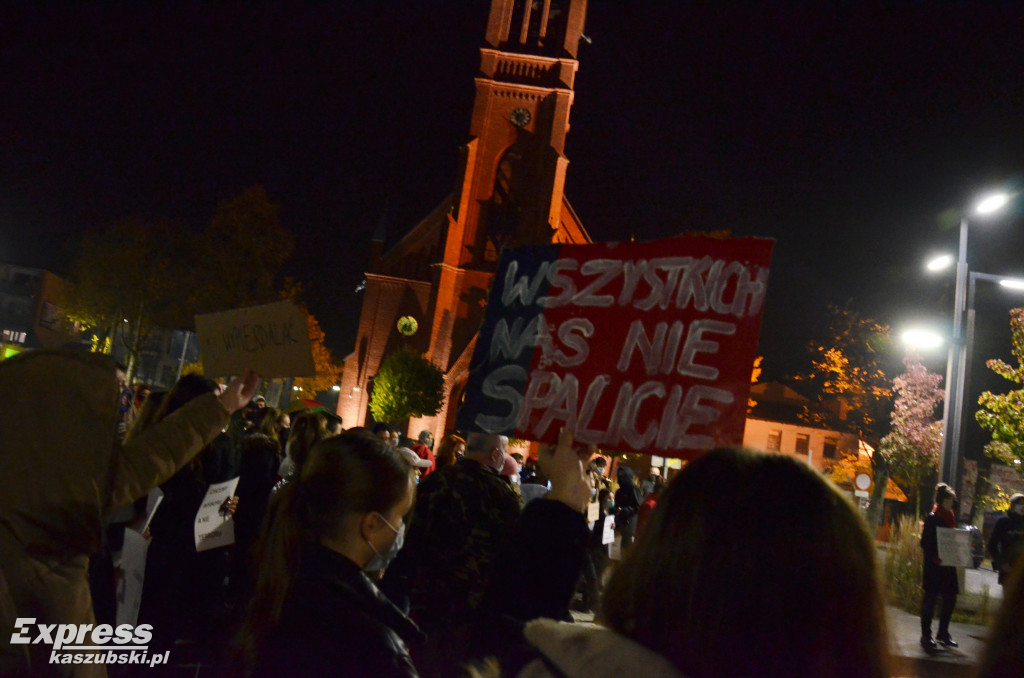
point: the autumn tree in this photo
(848, 386)
(126, 280)
(755, 374)
(911, 448)
(139, 274)
(847, 382)
(407, 385)
(328, 372)
(1002, 415)
(241, 253)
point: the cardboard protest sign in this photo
(213, 528)
(271, 339)
(954, 546)
(133, 564)
(644, 347)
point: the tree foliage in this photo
(328, 372)
(126, 280)
(911, 448)
(407, 385)
(755, 374)
(1002, 415)
(241, 253)
(846, 381)
(138, 273)
(845, 469)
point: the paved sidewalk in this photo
(910, 659)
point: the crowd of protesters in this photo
(366, 553)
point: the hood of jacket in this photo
(591, 651)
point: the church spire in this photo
(550, 28)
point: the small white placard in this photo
(593, 512)
(213, 528)
(954, 546)
(608, 536)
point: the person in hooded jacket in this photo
(315, 612)
(1007, 539)
(628, 499)
(60, 482)
(685, 602)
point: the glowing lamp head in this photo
(1012, 283)
(921, 339)
(992, 203)
(939, 263)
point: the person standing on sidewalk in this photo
(1007, 539)
(939, 579)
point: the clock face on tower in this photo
(520, 117)
(407, 325)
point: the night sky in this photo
(843, 130)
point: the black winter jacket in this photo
(936, 577)
(1006, 543)
(337, 623)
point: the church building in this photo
(429, 290)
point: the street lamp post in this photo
(956, 365)
(951, 413)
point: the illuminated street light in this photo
(956, 367)
(336, 387)
(1012, 283)
(992, 203)
(941, 262)
(922, 339)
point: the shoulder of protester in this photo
(588, 651)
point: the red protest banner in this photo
(643, 347)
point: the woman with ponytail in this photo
(314, 611)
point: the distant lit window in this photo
(774, 441)
(13, 336)
(828, 450)
(803, 443)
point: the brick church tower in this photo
(434, 281)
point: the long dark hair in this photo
(747, 557)
(351, 473)
(160, 405)
(307, 429)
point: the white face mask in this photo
(379, 561)
(1018, 508)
